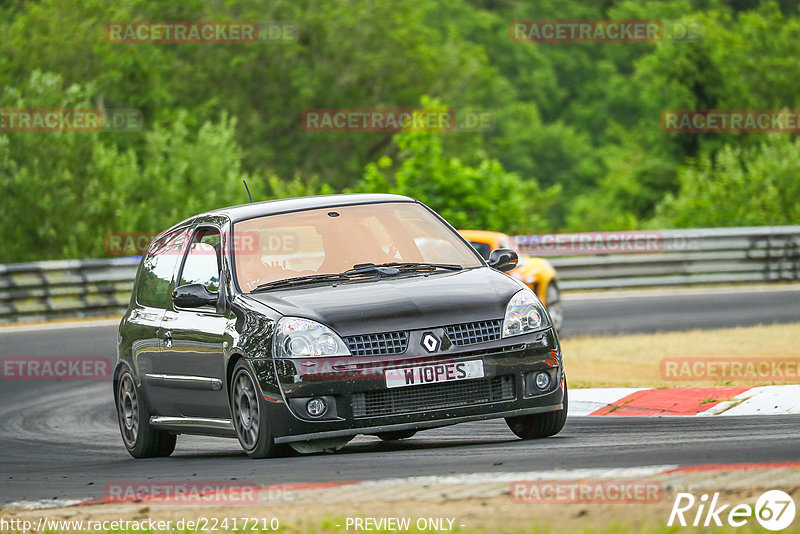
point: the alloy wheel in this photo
(128, 410)
(245, 410)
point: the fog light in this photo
(316, 407)
(543, 380)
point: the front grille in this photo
(377, 344)
(469, 333)
(433, 396)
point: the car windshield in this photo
(334, 240)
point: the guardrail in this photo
(672, 257)
(85, 288)
(71, 288)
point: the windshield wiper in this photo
(396, 267)
(383, 269)
(297, 280)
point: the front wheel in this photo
(248, 409)
(539, 425)
(141, 439)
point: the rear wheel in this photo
(250, 415)
(397, 435)
(141, 439)
(540, 425)
(554, 306)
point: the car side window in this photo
(483, 249)
(202, 265)
(153, 287)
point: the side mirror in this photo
(503, 259)
(193, 296)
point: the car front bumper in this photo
(359, 401)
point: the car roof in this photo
(288, 205)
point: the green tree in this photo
(360, 54)
(62, 192)
(738, 187)
(484, 196)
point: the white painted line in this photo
(555, 474)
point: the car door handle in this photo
(168, 339)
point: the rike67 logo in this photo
(774, 510)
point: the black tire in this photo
(141, 439)
(249, 415)
(540, 425)
(396, 435)
(166, 444)
(554, 306)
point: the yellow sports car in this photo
(536, 273)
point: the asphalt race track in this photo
(60, 440)
(679, 309)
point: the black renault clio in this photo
(304, 322)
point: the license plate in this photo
(434, 373)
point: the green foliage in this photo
(738, 187)
(296, 187)
(42, 180)
(362, 54)
(61, 193)
(742, 61)
(576, 145)
(484, 196)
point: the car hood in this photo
(404, 303)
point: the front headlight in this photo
(303, 338)
(524, 314)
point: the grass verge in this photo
(634, 360)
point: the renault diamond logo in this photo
(430, 342)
